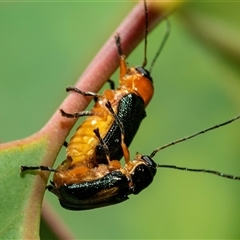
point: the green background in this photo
(45, 47)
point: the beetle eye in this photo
(150, 163)
(143, 174)
(144, 72)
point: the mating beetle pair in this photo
(92, 176)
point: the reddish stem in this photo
(55, 223)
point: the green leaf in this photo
(21, 195)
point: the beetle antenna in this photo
(193, 135)
(200, 170)
(146, 34)
(166, 35)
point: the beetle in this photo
(85, 157)
(129, 101)
(117, 184)
(111, 183)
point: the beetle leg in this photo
(42, 168)
(125, 150)
(76, 114)
(87, 94)
(105, 147)
(65, 144)
(112, 84)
